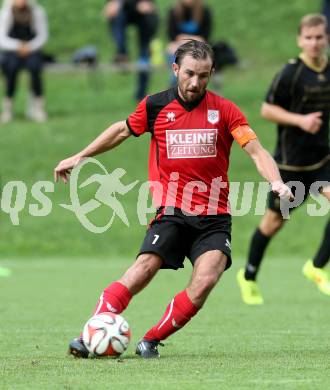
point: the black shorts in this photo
(307, 178)
(174, 237)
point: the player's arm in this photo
(110, 138)
(264, 162)
(310, 123)
(267, 168)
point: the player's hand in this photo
(64, 168)
(24, 50)
(111, 9)
(311, 123)
(145, 7)
(282, 190)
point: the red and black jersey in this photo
(190, 147)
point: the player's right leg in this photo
(270, 224)
(315, 269)
(116, 297)
(208, 268)
(166, 237)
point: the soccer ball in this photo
(106, 334)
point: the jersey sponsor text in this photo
(196, 143)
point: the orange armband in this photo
(243, 134)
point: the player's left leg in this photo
(207, 270)
(314, 269)
(323, 254)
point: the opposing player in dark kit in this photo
(191, 131)
(299, 102)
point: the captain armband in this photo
(243, 134)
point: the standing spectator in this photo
(326, 12)
(142, 14)
(23, 32)
(188, 19)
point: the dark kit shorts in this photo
(174, 237)
(307, 178)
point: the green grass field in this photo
(59, 268)
(284, 344)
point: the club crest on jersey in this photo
(213, 116)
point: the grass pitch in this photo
(228, 345)
(59, 268)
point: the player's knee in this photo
(277, 223)
(148, 264)
(209, 282)
(141, 272)
(204, 285)
(272, 224)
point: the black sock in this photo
(258, 245)
(323, 254)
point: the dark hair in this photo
(198, 50)
(312, 20)
(197, 9)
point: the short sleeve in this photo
(233, 116)
(137, 122)
(279, 92)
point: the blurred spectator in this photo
(23, 32)
(326, 12)
(142, 14)
(187, 19)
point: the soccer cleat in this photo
(317, 275)
(249, 290)
(78, 349)
(147, 349)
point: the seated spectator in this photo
(142, 14)
(188, 19)
(23, 32)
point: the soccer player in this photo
(191, 131)
(299, 102)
